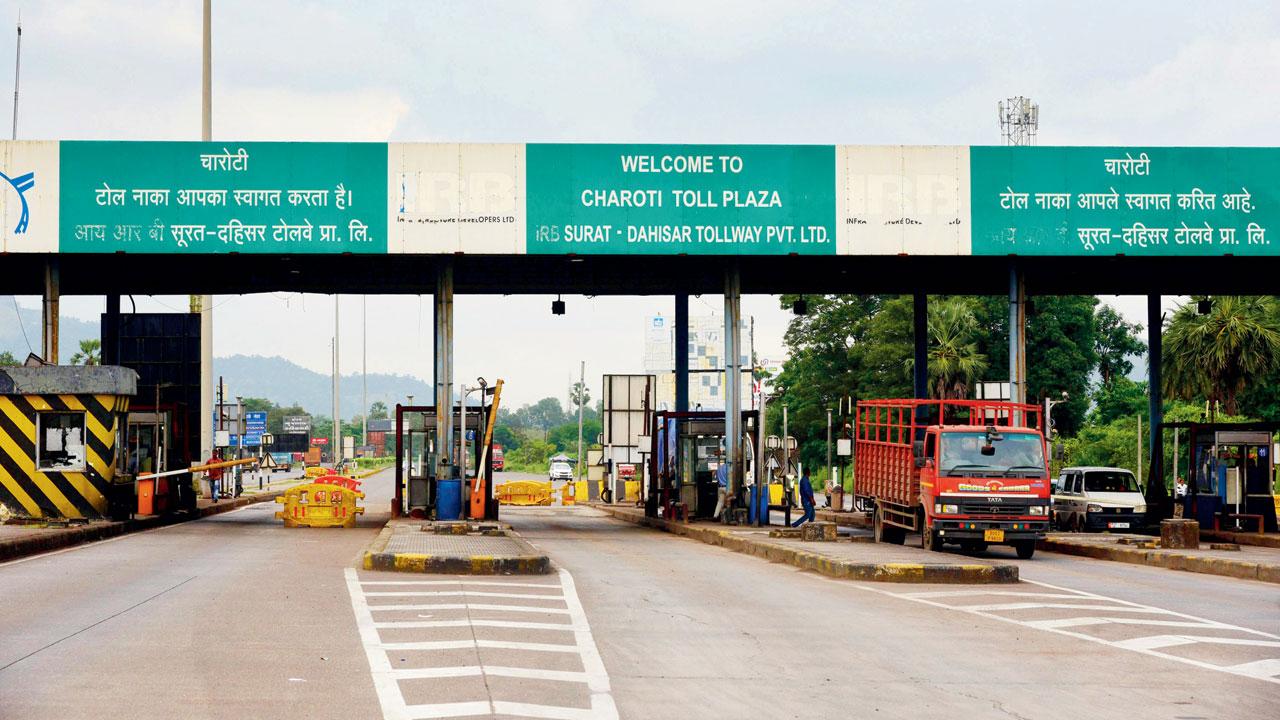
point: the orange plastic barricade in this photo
(524, 492)
(319, 505)
(346, 482)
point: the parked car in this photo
(560, 471)
(1097, 498)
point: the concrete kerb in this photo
(1169, 560)
(528, 562)
(35, 544)
(957, 573)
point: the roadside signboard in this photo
(297, 423)
(317, 441)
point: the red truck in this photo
(499, 460)
(967, 472)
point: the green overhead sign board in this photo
(253, 197)
(643, 199)
(1124, 201)
(681, 199)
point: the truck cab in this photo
(983, 485)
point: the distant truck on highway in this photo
(499, 462)
(967, 472)
(283, 461)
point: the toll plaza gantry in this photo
(112, 218)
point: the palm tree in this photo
(90, 353)
(954, 360)
(1215, 356)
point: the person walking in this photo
(722, 489)
(806, 499)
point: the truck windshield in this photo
(961, 453)
(1110, 481)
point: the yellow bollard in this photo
(319, 505)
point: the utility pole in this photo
(364, 369)
(582, 386)
(337, 417)
(830, 474)
(17, 74)
(203, 304)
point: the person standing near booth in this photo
(806, 499)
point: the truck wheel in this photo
(1025, 549)
(886, 533)
(930, 540)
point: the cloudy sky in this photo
(1156, 73)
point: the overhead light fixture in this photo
(1204, 306)
(557, 306)
(800, 306)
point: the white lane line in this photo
(1264, 669)
(469, 643)
(490, 671)
(487, 583)
(446, 710)
(384, 683)
(1152, 608)
(512, 624)
(998, 607)
(459, 593)
(979, 593)
(602, 707)
(474, 606)
(1159, 641)
(926, 599)
(587, 645)
(1090, 620)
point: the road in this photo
(234, 617)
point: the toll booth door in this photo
(418, 473)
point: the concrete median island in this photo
(458, 548)
(1249, 563)
(840, 559)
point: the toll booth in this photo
(417, 459)
(687, 450)
(62, 440)
(1231, 473)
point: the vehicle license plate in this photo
(993, 536)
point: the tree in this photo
(90, 353)
(580, 394)
(378, 410)
(1122, 398)
(1115, 341)
(954, 361)
(1218, 355)
(7, 358)
(1061, 355)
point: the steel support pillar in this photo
(920, 366)
(445, 467)
(111, 332)
(49, 312)
(1155, 407)
(681, 341)
(1017, 335)
(732, 375)
(920, 325)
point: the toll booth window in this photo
(61, 441)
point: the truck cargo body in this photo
(967, 472)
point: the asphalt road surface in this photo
(236, 617)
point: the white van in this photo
(1097, 498)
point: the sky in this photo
(1156, 73)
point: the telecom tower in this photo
(1019, 120)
